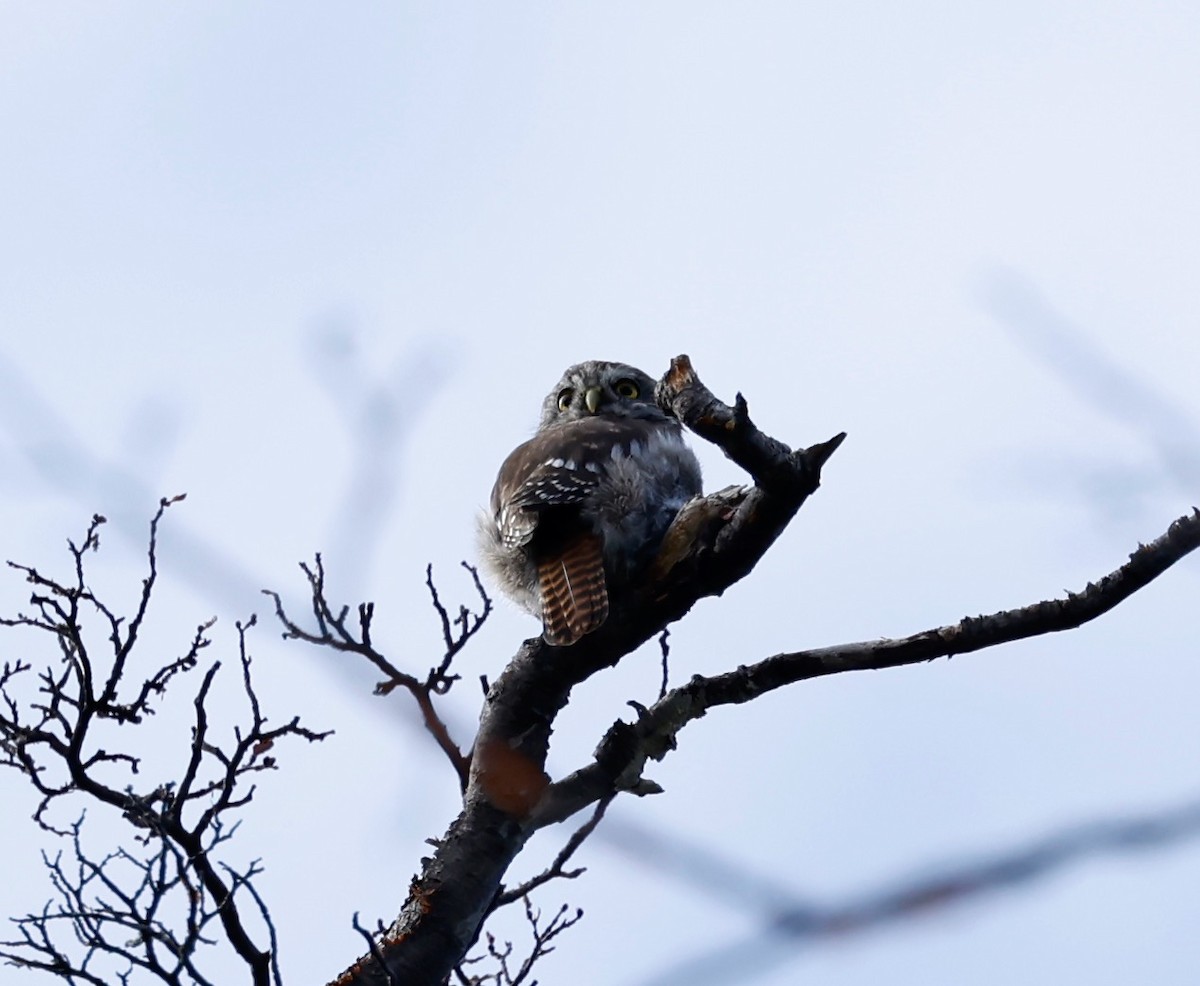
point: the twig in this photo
(666, 653)
(114, 905)
(501, 954)
(555, 869)
(543, 936)
(468, 623)
(332, 630)
(376, 955)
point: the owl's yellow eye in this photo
(627, 389)
(564, 399)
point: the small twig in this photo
(114, 905)
(456, 633)
(543, 936)
(375, 953)
(666, 653)
(332, 631)
(503, 975)
(265, 913)
(555, 869)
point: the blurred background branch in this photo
(793, 925)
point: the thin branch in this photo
(376, 956)
(503, 975)
(456, 633)
(123, 648)
(114, 904)
(666, 654)
(333, 630)
(543, 936)
(624, 751)
(555, 869)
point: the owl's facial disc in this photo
(592, 397)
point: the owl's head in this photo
(598, 387)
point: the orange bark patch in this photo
(511, 781)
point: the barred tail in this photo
(574, 597)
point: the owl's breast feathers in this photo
(585, 493)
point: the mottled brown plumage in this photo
(579, 509)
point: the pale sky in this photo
(316, 265)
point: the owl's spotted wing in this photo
(532, 481)
(558, 467)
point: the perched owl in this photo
(580, 508)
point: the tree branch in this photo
(333, 631)
(626, 747)
(112, 907)
(555, 869)
(500, 955)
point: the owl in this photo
(579, 510)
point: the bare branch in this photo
(332, 630)
(715, 541)
(113, 905)
(500, 955)
(555, 869)
(457, 633)
(666, 654)
(373, 951)
(624, 751)
(123, 647)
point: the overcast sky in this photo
(316, 265)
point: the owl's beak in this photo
(591, 398)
